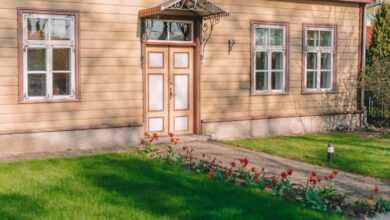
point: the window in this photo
(319, 58)
(169, 30)
(49, 61)
(269, 58)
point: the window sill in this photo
(269, 93)
(42, 101)
(318, 92)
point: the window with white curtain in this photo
(319, 58)
(269, 62)
(48, 56)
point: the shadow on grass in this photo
(19, 207)
(155, 188)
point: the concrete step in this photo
(185, 139)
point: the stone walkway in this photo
(353, 185)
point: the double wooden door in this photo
(169, 90)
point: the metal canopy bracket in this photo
(210, 13)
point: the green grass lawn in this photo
(354, 153)
(126, 186)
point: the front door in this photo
(169, 90)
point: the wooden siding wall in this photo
(110, 69)
(225, 80)
(111, 75)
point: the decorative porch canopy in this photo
(202, 8)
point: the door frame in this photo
(196, 44)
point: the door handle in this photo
(171, 93)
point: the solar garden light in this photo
(331, 151)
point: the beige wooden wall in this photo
(226, 78)
(111, 75)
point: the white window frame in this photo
(172, 41)
(49, 45)
(269, 50)
(319, 50)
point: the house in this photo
(94, 73)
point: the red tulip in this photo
(376, 190)
(284, 175)
(290, 172)
(212, 174)
(244, 162)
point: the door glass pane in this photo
(156, 124)
(311, 61)
(326, 61)
(276, 37)
(180, 31)
(262, 81)
(325, 80)
(261, 61)
(181, 60)
(277, 80)
(277, 61)
(156, 60)
(61, 29)
(36, 59)
(156, 93)
(311, 80)
(156, 30)
(181, 92)
(36, 28)
(61, 59)
(36, 85)
(325, 38)
(312, 38)
(261, 36)
(61, 84)
(181, 123)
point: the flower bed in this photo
(318, 193)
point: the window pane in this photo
(36, 85)
(261, 36)
(276, 37)
(277, 61)
(325, 38)
(311, 80)
(36, 59)
(277, 80)
(61, 29)
(262, 81)
(61, 84)
(312, 38)
(36, 28)
(61, 59)
(261, 61)
(326, 61)
(325, 80)
(180, 31)
(311, 61)
(156, 30)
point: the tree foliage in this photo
(380, 47)
(376, 79)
